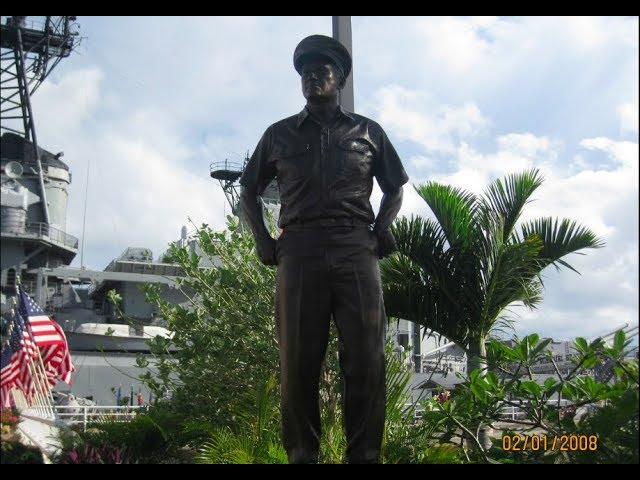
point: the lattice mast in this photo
(30, 51)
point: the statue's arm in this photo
(389, 208)
(251, 210)
(257, 174)
(391, 176)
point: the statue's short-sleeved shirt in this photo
(324, 172)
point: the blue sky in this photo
(149, 102)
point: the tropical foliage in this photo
(460, 272)
(599, 425)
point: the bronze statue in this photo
(327, 255)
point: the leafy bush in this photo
(478, 404)
(226, 337)
(95, 455)
(223, 382)
(13, 452)
(153, 437)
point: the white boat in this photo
(110, 337)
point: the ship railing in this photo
(27, 23)
(87, 414)
(230, 165)
(41, 230)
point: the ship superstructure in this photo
(36, 248)
(34, 182)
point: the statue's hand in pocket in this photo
(267, 251)
(386, 243)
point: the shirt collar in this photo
(302, 116)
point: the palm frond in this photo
(397, 378)
(508, 196)
(459, 274)
(454, 209)
(516, 267)
(453, 270)
(411, 295)
(424, 242)
(560, 238)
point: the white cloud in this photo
(140, 195)
(526, 144)
(567, 324)
(473, 170)
(590, 33)
(456, 43)
(142, 182)
(412, 115)
(64, 105)
(420, 162)
(625, 153)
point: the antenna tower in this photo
(31, 49)
(228, 174)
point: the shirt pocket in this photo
(355, 158)
(294, 163)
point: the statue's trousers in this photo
(326, 273)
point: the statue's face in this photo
(320, 80)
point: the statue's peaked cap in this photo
(321, 45)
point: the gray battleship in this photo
(38, 254)
(36, 249)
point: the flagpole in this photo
(49, 388)
(37, 396)
(39, 387)
(44, 384)
(46, 389)
(31, 401)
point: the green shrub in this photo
(14, 452)
(609, 410)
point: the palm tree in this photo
(459, 274)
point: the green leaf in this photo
(590, 362)
(581, 345)
(531, 387)
(453, 208)
(533, 339)
(478, 390)
(508, 197)
(559, 239)
(541, 348)
(619, 341)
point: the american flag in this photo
(42, 328)
(57, 360)
(14, 370)
(33, 333)
(50, 339)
